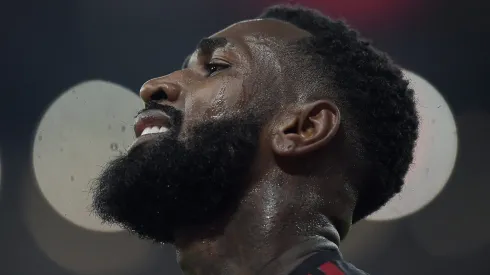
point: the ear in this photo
(308, 129)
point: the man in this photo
(258, 155)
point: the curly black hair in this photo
(377, 105)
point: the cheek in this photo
(214, 99)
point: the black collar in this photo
(320, 264)
(304, 250)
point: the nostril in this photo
(159, 95)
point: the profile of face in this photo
(198, 137)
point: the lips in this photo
(151, 122)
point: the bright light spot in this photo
(457, 224)
(435, 154)
(84, 128)
(79, 250)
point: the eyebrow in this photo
(207, 46)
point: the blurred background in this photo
(70, 71)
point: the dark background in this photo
(49, 46)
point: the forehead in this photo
(263, 27)
(251, 30)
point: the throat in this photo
(266, 235)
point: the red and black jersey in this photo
(327, 262)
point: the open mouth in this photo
(151, 122)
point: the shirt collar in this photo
(293, 257)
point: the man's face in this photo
(198, 137)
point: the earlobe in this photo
(307, 130)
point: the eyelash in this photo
(218, 67)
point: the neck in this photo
(263, 237)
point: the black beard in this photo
(167, 184)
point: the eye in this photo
(213, 68)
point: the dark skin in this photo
(292, 199)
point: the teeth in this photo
(145, 131)
(154, 130)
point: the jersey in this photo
(326, 262)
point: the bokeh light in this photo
(435, 153)
(86, 126)
(80, 250)
(456, 223)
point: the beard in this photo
(167, 184)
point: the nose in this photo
(158, 90)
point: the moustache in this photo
(174, 114)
